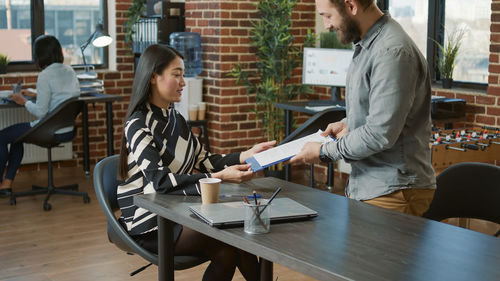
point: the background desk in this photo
(300, 106)
(349, 240)
(92, 98)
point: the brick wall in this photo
(224, 26)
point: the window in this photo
(412, 15)
(426, 21)
(472, 62)
(15, 29)
(70, 21)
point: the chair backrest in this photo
(467, 190)
(105, 185)
(318, 121)
(44, 132)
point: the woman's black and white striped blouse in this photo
(162, 154)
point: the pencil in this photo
(271, 199)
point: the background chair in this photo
(44, 134)
(318, 121)
(106, 184)
(467, 190)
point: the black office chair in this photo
(318, 121)
(44, 134)
(106, 184)
(467, 190)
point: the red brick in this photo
(495, 27)
(247, 6)
(475, 109)
(493, 111)
(467, 98)
(485, 120)
(228, 6)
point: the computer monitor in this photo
(325, 67)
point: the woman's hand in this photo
(235, 174)
(256, 149)
(29, 93)
(337, 130)
(18, 98)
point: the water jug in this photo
(189, 45)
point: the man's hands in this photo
(235, 174)
(337, 130)
(310, 151)
(18, 98)
(308, 155)
(256, 149)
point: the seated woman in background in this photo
(159, 153)
(55, 84)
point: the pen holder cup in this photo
(257, 218)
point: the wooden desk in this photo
(92, 98)
(349, 240)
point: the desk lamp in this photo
(99, 38)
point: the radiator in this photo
(33, 153)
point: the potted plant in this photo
(449, 52)
(277, 57)
(4, 61)
(134, 14)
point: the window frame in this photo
(435, 30)
(37, 11)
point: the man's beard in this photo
(349, 31)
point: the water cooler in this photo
(189, 45)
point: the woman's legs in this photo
(223, 257)
(248, 265)
(15, 155)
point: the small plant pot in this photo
(3, 69)
(447, 82)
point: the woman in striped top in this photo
(159, 154)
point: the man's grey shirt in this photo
(388, 95)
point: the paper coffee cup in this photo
(193, 112)
(201, 110)
(209, 190)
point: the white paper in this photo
(289, 149)
(321, 108)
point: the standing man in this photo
(388, 93)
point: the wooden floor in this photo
(69, 242)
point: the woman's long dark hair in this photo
(154, 60)
(46, 51)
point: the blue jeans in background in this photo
(13, 156)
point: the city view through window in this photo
(472, 16)
(70, 21)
